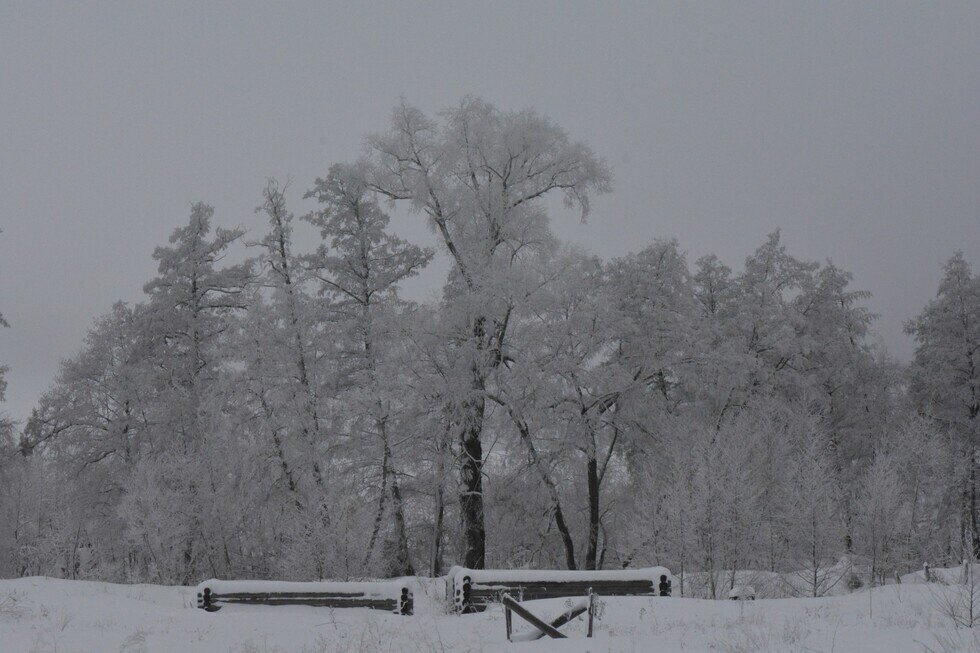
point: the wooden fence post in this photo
(406, 602)
(464, 599)
(591, 611)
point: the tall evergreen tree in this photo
(188, 305)
(946, 378)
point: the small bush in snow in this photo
(10, 606)
(960, 603)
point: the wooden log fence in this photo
(468, 590)
(471, 590)
(393, 597)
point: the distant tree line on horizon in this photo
(293, 417)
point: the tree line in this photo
(293, 416)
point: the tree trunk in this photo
(435, 563)
(471, 499)
(566, 538)
(592, 471)
(403, 563)
(439, 509)
(310, 424)
(378, 517)
(287, 472)
(974, 529)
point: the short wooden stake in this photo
(591, 611)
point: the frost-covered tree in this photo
(6, 426)
(638, 377)
(785, 331)
(279, 388)
(360, 271)
(96, 409)
(187, 309)
(946, 377)
(291, 325)
(479, 175)
(89, 431)
(550, 392)
(847, 381)
(816, 533)
(707, 516)
(883, 514)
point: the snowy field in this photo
(48, 615)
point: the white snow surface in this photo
(39, 615)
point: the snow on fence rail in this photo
(394, 596)
(471, 590)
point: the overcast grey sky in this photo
(852, 126)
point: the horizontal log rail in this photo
(212, 595)
(473, 590)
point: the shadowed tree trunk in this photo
(471, 475)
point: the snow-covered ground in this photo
(48, 615)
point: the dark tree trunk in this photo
(435, 567)
(287, 472)
(404, 565)
(974, 528)
(471, 500)
(592, 470)
(566, 538)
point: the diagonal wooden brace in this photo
(563, 619)
(523, 613)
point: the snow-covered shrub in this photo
(960, 602)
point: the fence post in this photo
(465, 598)
(591, 611)
(406, 602)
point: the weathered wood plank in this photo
(290, 595)
(383, 604)
(401, 603)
